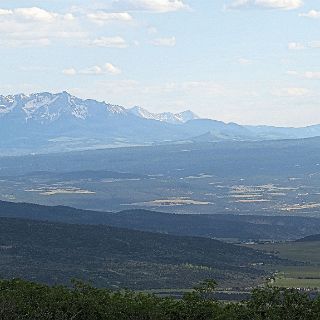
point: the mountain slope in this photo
(314, 237)
(270, 132)
(169, 117)
(45, 108)
(46, 122)
(114, 257)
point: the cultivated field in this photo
(306, 275)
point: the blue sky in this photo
(245, 61)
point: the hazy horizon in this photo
(167, 111)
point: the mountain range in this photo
(47, 122)
(44, 108)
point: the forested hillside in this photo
(114, 257)
(220, 226)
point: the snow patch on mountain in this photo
(142, 113)
(32, 107)
(173, 118)
(45, 107)
(7, 104)
(186, 116)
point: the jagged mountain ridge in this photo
(47, 107)
(46, 122)
(174, 118)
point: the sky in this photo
(244, 61)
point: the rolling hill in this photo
(54, 253)
(221, 226)
(311, 238)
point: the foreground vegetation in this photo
(25, 300)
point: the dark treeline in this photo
(20, 299)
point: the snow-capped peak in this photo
(174, 118)
(142, 113)
(187, 115)
(48, 107)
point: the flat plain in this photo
(306, 275)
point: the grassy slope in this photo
(303, 276)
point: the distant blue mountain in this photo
(46, 122)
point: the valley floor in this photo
(304, 276)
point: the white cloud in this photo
(314, 44)
(291, 92)
(92, 70)
(4, 12)
(112, 69)
(306, 75)
(101, 17)
(160, 6)
(32, 27)
(35, 14)
(313, 14)
(292, 73)
(23, 27)
(164, 42)
(312, 74)
(109, 42)
(267, 4)
(296, 46)
(107, 68)
(69, 72)
(302, 46)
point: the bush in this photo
(20, 299)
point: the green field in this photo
(306, 275)
(297, 283)
(300, 251)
